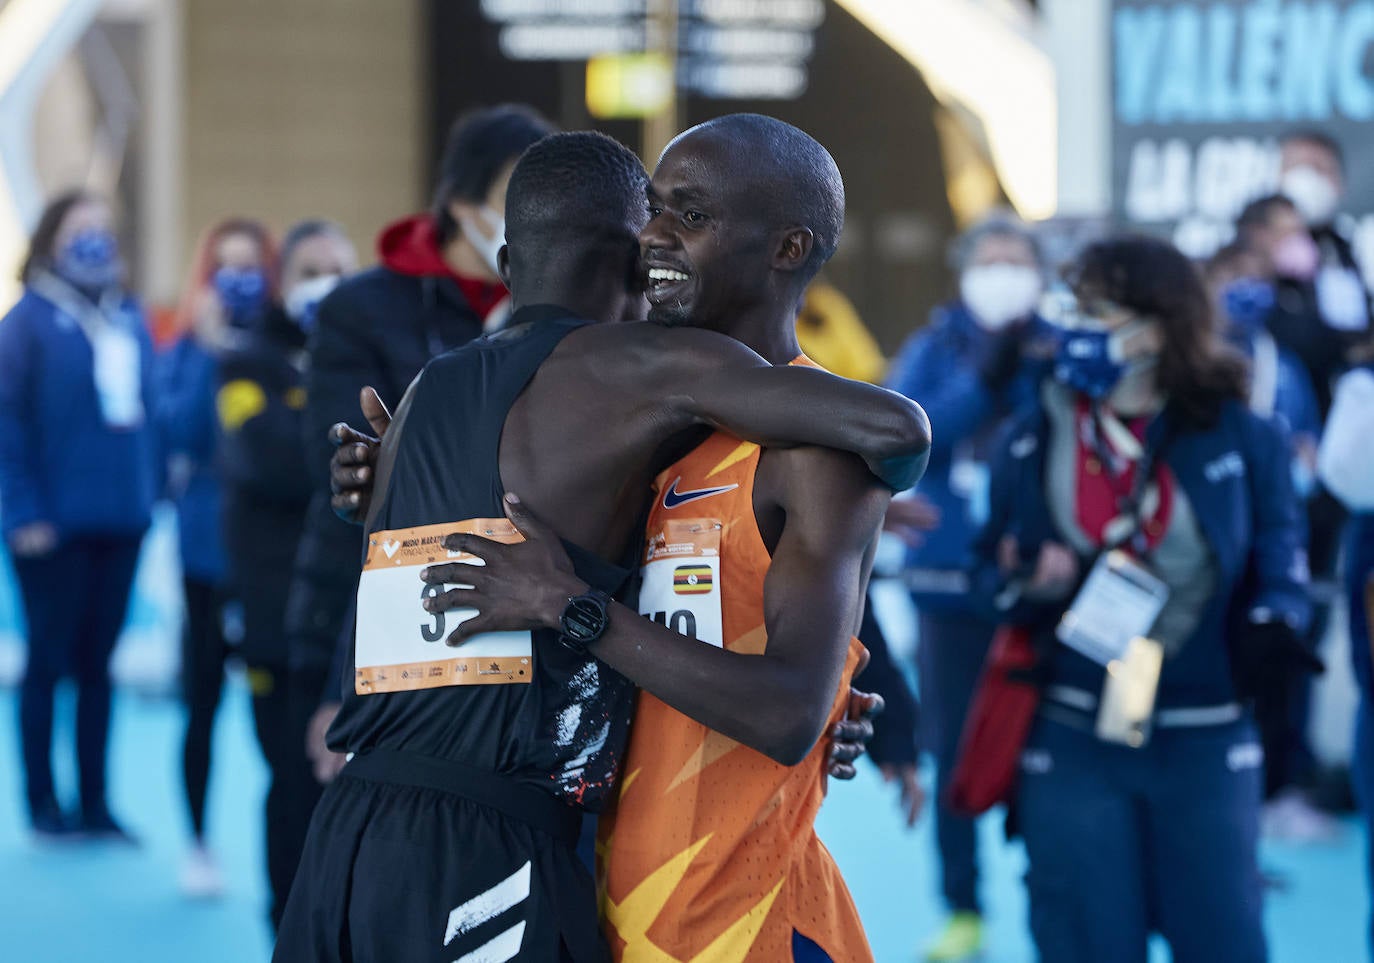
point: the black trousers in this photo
(280, 713)
(75, 600)
(397, 869)
(202, 679)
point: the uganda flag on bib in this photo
(692, 579)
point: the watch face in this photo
(583, 619)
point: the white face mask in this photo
(487, 239)
(302, 301)
(998, 294)
(1312, 193)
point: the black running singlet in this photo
(565, 731)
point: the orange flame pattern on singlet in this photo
(710, 853)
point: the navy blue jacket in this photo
(59, 461)
(940, 367)
(1236, 476)
(187, 378)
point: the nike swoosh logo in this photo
(672, 498)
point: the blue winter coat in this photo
(1236, 476)
(187, 382)
(59, 461)
(939, 368)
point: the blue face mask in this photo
(1085, 362)
(1247, 302)
(242, 291)
(90, 261)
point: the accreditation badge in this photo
(680, 581)
(398, 646)
(1118, 602)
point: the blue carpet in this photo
(119, 905)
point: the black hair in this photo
(802, 178)
(1151, 277)
(1225, 257)
(1258, 213)
(302, 231)
(580, 182)
(479, 144)
(1319, 138)
(41, 253)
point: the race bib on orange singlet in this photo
(398, 646)
(681, 579)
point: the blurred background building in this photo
(936, 110)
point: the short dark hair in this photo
(1151, 277)
(479, 144)
(803, 178)
(576, 182)
(41, 253)
(1319, 138)
(1258, 213)
(302, 231)
(1224, 257)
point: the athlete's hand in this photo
(849, 737)
(522, 586)
(353, 467)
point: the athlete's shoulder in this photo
(664, 346)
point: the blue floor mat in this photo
(120, 905)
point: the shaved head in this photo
(781, 175)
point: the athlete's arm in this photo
(688, 376)
(776, 702)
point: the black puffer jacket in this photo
(378, 328)
(260, 401)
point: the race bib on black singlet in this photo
(398, 646)
(681, 579)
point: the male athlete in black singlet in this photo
(448, 836)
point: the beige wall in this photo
(302, 108)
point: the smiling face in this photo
(705, 251)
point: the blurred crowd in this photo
(1149, 489)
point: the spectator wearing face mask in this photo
(1273, 229)
(77, 482)
(1144, 535)
(260, 405)
(979, 361)
(1322, 307)
(230, 291)
(436, 288)
(1243, 296)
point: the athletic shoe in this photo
(100, 826)
(200, 875)
(961, 940)
(52, 825)
(1291, 817)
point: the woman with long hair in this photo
(231, 288)
(77, 483)
(1144, 531)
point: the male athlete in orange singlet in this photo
(762, 556)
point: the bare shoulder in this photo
(658, 348)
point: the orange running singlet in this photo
(710, 853)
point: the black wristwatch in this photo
(584, 620)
